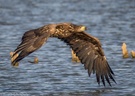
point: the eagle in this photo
(86, 47)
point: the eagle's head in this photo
(64, 29)
(70, 27)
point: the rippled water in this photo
(112, 21)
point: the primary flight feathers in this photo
(86, 47)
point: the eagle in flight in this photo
(87, 48)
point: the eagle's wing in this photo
(31, 41)
(89, 51)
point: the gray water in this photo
(112, 21)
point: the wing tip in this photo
(15, 64)
(14, 57)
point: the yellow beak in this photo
(83, 28)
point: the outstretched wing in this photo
(90, 53)
(31, 41)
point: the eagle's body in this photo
(87, 47)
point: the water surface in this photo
(112, 21)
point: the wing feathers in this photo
(90, 52)
(31, 41)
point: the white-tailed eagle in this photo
(86, 47)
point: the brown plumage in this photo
(86, 47)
